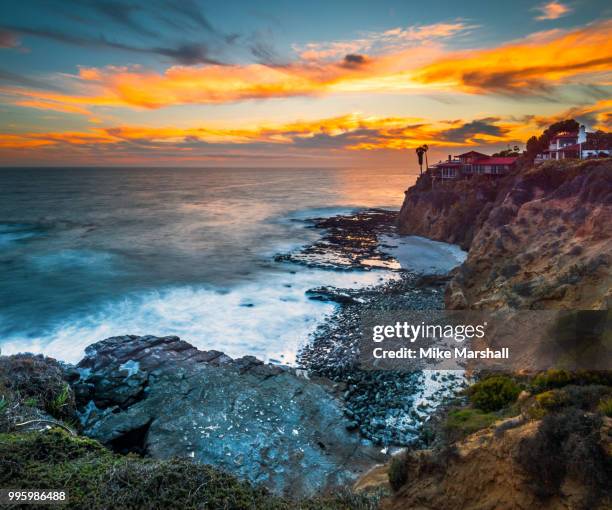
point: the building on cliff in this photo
(473, 163)
(577, 145)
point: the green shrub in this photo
(463, 422)
(605, 407)
(552, 399)
(55, 407)
(398, 471)
(553, 379)
(494, 393)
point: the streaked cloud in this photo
(552, 10)
(190, 53)
(531, 66)
(352, 132)
(387, 41)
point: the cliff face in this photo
(537, 240)
(449, 213)
(485, 470)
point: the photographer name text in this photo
(437, 353)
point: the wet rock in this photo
(162, 397)
(332, 294)
(350, 242)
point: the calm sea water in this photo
(90, 253)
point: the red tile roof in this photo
(495, 161)
(472, 153)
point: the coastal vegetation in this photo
(94, 477)
(555, 433)
(493, 393)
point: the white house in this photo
(575, 144)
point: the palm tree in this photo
(422, 150)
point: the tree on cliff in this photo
(509, 152)
(536, 144)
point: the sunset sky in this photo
(279, 83)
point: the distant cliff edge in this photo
(537, 239)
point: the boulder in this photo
(162, 397)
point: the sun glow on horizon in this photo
(91, 112)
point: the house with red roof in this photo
(473, 163)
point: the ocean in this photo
(88, 253)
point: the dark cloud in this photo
(121, 13)
(261, 46)
(187, 54)
(353, 61)
(24, 81)
(472, 129)
(340, 140)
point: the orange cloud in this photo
(533, 65)
(8, 141)
(349, 132)
(552, 10)
(540, 62)
(51, 105)
(597, 116)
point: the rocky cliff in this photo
(488, 470)
(538, 239)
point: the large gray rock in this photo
(165, 398)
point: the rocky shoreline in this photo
(162, 398)
(144, 394)
(388, 408)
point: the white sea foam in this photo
(423, 255)
(270, 318)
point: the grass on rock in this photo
(97, 478)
